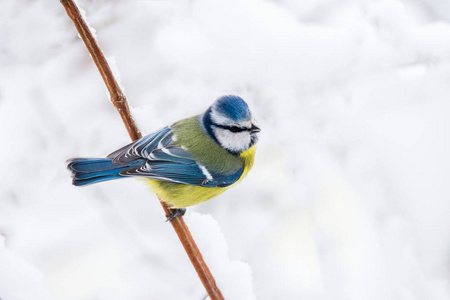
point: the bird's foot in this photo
(176, 212)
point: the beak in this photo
(255, 129)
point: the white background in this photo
(349, 196)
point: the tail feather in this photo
(92, 170)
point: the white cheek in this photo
(233, 141)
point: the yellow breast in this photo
(182, 195)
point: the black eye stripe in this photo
(231, 128)
(236, 129)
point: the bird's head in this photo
(230, 123)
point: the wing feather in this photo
(167, 162)
(140, 148)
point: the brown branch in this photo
(117, 96)
(120, 102)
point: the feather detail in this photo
(92, 170)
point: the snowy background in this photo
(349, 197)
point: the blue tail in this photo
(92, 170)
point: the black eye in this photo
(230, 128)
(235, 129)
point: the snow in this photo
(348, 198)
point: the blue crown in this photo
(233, 107)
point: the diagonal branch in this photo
(117, 96)
(120, 102)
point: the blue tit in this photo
(188, 162)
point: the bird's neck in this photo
(205, 120)
(249, 157)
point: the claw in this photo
(176, 212)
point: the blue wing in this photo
(167, 162)
(142, 147)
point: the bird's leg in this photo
(176, 212)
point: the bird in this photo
(186, 163)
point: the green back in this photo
(191, 134)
